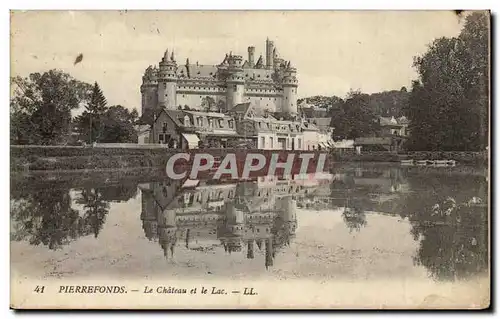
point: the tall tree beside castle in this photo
(41, 104)
(449, 104)
(90, 123)
(105, 124)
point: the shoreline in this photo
(34, 158)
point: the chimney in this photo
(251, 53)
(269, 54)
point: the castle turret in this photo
(167, 82)
(269, 54)
(149, 93)
(167, 231)
(235, 81)
(251, 56)
(250, 251)
(290, 85)
(288, 214)
(148, 215)
(269, 252)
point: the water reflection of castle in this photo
(237, 216)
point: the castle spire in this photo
(260, 63)
(165, 56)
(187, 61)
(172, 58)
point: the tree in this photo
(118, 125)
(95, 210)
(354, 118)
(41, 104)
(208, 104)
(45, 218)
(448, 106)
(48, 218)
(90, 123)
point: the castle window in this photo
(231, 124)
(164, 127)
(234, 87)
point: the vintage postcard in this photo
(250, 160)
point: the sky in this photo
(333, 51)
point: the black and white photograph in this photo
(250, 159)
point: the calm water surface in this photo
(361, 222)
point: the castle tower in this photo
(149, 93)
(235, 81)
(149, 215)
(269, 252)
(288, 213)
(167, 231)
(167, 82)
(251, 56)
(269, 54)
(250, 253)
(290, 85)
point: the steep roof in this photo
(198, 71)
(208, 114)
(241, 109)
(177, 116)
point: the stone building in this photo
(269, 83)
(242, 126)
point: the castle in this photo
(269, 85)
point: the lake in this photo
(362, 222)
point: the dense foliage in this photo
(40, 112)
(354, 118)
(41, 105)
(448, 106)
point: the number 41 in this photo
(39, 289)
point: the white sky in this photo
(333, 51)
